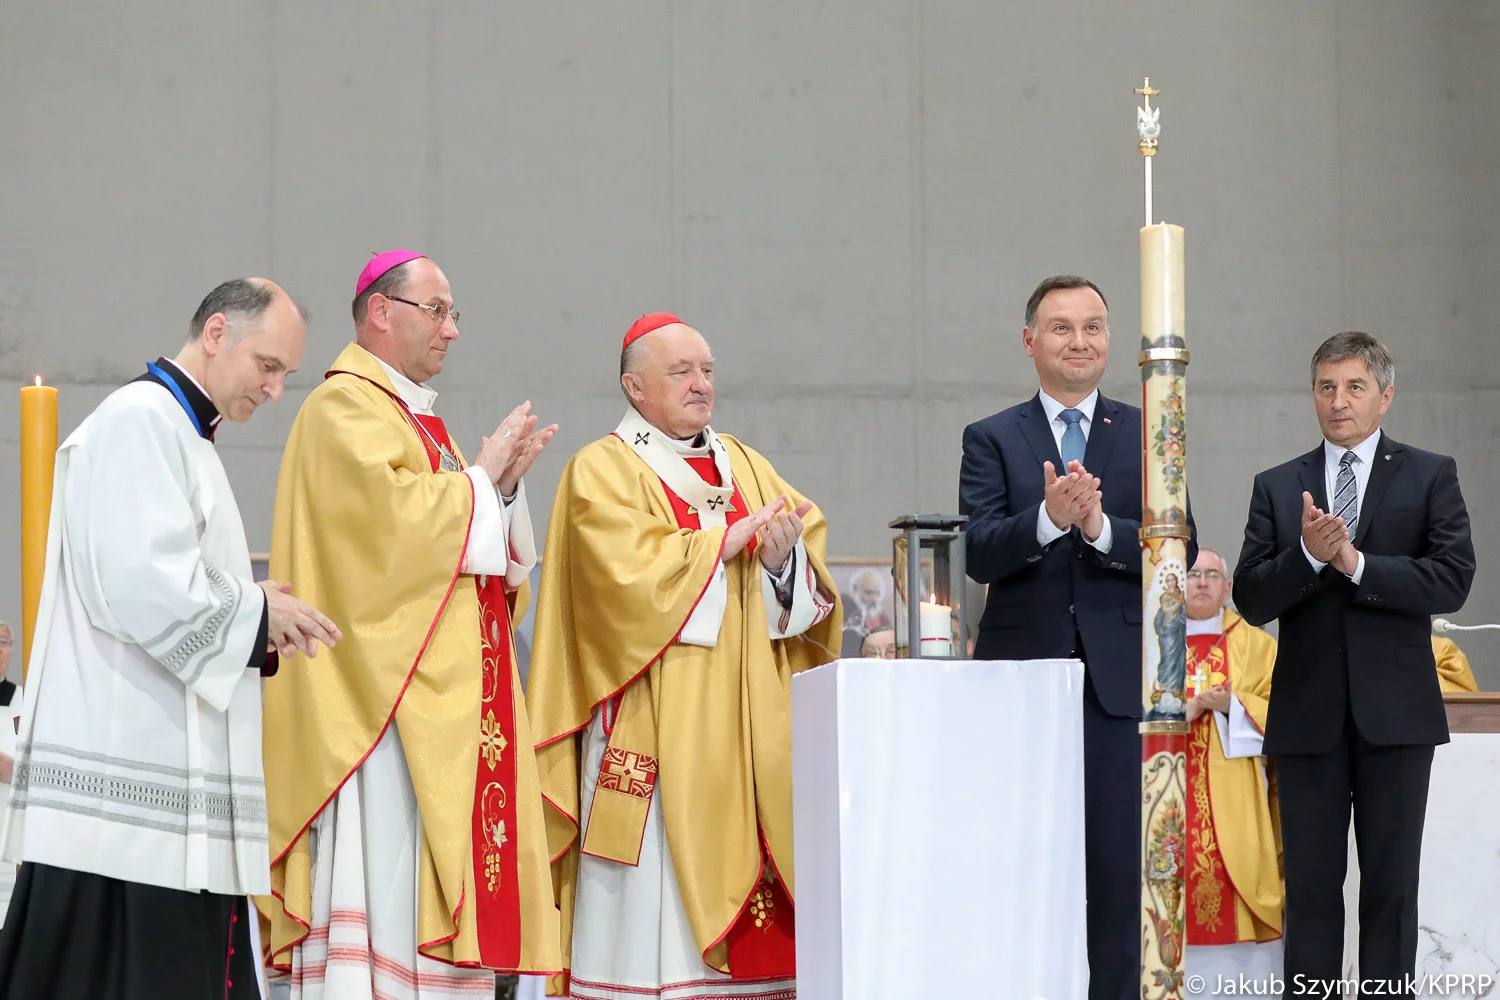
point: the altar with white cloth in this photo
(1458, 937)
(938, 812)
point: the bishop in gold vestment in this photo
(683, 585)
(1235, 892)
(407, 844)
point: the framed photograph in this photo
(869, 598)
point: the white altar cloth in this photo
(939, 830)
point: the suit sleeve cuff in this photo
(260, 658)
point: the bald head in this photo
(668, 376)
(1208, 586)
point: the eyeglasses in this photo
(439, 313)
(1204, 574)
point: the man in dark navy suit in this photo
(1052, 488)
(1354, 546)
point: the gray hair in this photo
(632, 360)
(392, 282)
(237, 299)
(1353, 344)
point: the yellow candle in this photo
(38, 452)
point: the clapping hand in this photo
(1074, 498)
(1322, 533)
(740, 532)
(779, 536)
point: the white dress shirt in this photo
(1046, 531)
(1364, 461)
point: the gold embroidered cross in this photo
(491, 740)
(630, 773)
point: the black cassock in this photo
(78, 936)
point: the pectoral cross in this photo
(1201, 676)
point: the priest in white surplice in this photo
(408, 858)
(138, 807)
(683, 584)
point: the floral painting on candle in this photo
(1171, 441)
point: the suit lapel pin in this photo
(1107, 420)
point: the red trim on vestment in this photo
(637, 675)
(426, 640)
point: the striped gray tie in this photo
(1346, 493)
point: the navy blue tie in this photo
(1074, 444)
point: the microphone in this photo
(1444, 625)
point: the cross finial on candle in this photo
(1148, 126)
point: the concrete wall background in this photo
(850, 199)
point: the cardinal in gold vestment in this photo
(407, 838)
(683, 585)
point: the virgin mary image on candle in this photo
(1170, 625)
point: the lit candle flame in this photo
(38, 380)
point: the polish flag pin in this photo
(1107, 420)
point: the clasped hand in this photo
(1215, 699)
(777, 529)
(295, 626)
(1074, 499)
(1327, 538)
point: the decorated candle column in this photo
(1164, 538)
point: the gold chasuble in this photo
(1454, 673)
(706, 729)
(1234, 886)
(372, 524)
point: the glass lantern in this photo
(928, 562)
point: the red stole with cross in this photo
(1211, 894)
(761, 942)
(497, 909)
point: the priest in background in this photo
(139, 810)
(407, 853)
(1234, 883)
(1454, 673)
(684, 583)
